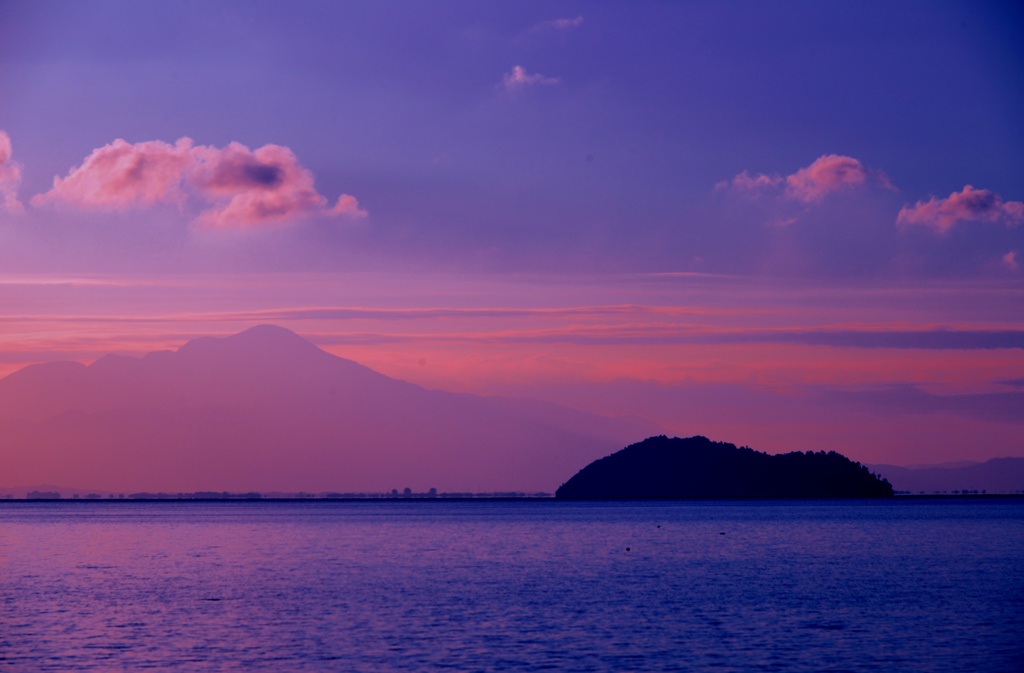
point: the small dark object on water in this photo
(721, 533)
(627, 548)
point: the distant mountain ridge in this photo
(267, 410)
(696, 467)
(998, 475)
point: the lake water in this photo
(899, 585)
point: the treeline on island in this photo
(697, 467)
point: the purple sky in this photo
(797, 201)
(611, 164)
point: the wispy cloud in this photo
(519, 79)
(969, 205)
(600, 324)
(342, 313)
(558, 24)
(661, 334)
(10, 176)
(240, 187)
(744, 182)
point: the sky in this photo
(795, 226)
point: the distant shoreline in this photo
(296, 497)
(529, 498)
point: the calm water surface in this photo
(523, 586)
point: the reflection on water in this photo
(325, 586)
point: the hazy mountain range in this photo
(998, 475)
(267, 410)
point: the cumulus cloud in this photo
(518, 79)
(811, 184)
(828, 174)
(241, 187)
(347, 205)
(10, 176)
(970, 205)
(119, 176)
(264, 185)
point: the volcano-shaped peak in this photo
(260, 341)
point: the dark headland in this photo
(696, 467)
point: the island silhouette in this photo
(697, 467)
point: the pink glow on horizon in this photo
(765, 391)
(473, 368)
(467, 346)
(521, 337)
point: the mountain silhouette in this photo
(696, 467)
(267, 410)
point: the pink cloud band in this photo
(969, 205)
(242, 187)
